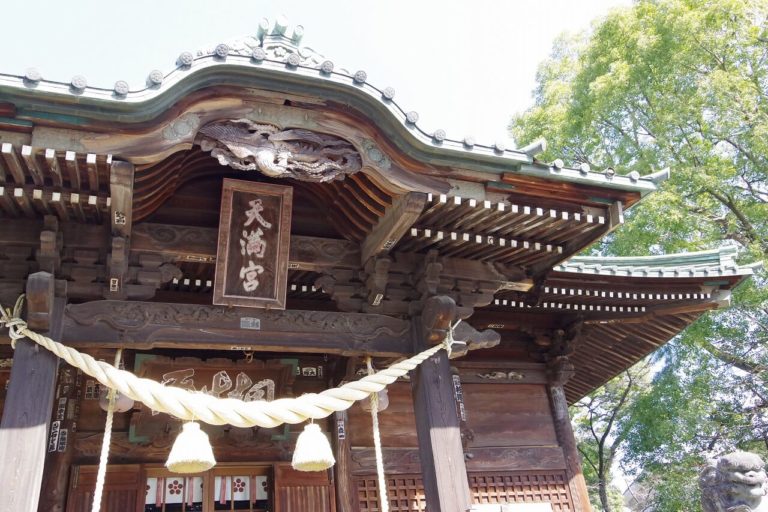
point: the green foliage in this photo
(681, 84)
(600, 423)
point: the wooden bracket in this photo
(438, 315)
(472, 339)
(121, 215)
(395, 223)
(51, 244)
(376, 283)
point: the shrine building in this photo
(258, 224)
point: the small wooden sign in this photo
(254, 237)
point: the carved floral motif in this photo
(501, 375)
(293, 153)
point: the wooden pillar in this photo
(444, 473)
(559, 372)
(345, 488)
(23, 430)
(61, 442)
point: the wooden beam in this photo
(92, 169)
(121, 215)
(613, 219)
(54, 168)
(30, 158)
(395, 223)
(185, 243)
(13, 163)
(446, 487)
(28, 404)
(146, 325)
(73, 170)
(121, 192)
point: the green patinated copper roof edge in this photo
(715, 261)
(56, 100)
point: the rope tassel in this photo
(313, 451)
(191, 452)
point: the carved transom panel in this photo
(292, 153)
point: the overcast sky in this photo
(463, 66)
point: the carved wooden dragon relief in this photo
(292, 153)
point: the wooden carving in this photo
(293, 153)
(254, 238)
(147, 325)
(222, 378)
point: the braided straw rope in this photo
(381, 477)
(101, 475)
(191, 406)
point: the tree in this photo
(680, 84)
(600, 425)
(674, 83)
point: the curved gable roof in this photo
(273, 60)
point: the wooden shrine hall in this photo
(260, 224)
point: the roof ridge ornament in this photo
(291, 153)
(277, 41)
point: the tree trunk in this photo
(603, 489)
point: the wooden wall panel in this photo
(397, 423)
(509, 415)
(406, 492)
(398, 461)
(521, 487)
(298, 491)
(123, 487)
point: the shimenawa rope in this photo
(189, 405)
(102, 473)
(383, 499)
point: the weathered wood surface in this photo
(300, 490)
(254, 235)
(437, 424)
(60, 455)
(185, 243)
(124, 488)
(500, 372)
(404, 461)
(144, 325)
(509, 415)
(446, 487)
(345, 489)
(393, 225)
(233, 449)
(576, 482)
(396, 422)
(27, 408)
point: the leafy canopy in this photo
(681, 84)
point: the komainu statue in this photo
(293, 153)
(736, 483)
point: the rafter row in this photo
(27, 165)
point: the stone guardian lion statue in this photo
(737, 482)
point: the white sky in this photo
(465, 66)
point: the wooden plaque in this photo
(248, 381)
(254, 237)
